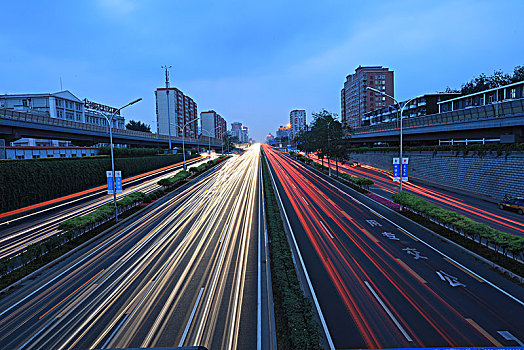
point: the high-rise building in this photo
(240, 131)
(182, 111)
(297, 119)
(356, 99)
(212, 124)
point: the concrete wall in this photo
(490, 175)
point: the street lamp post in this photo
(109, 123)
(401, 108)
(183, 139)
(209, 138)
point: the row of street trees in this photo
(324, 136)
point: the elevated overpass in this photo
(16, 125)
(504, 121)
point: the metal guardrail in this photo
(45, 120)
(493, 111)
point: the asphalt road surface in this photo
(378, 283)
(182, 274)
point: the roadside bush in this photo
(477, 231)
(26, 182)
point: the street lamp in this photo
(209, 138)
(183, 139)
(401, 107)
(109, 123)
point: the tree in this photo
(227, 141)
(138, 126)
(325, 136)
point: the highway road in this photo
(32, 226)
(470, 206)
(377, 280)
(184, 273)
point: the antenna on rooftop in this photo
(61, 84)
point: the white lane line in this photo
(317, 305)
(325, 228)
(374, 212)
(115, 331)
(36, 334)
(305, 201)
(426, 244)
(393, 318)
(508, 336)
(259, 296)
(191, 318)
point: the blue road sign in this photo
(405, 169)
(118, 180)
(396, 169)
(109, 175)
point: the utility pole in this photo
(166, 67)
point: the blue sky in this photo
(251, 61)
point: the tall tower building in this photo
(356, 100)
(182, 109)
(297, 119)
(213, 124)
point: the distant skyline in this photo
(251, 62)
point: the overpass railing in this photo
(46, 120)
(496, 110)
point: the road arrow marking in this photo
(415, 253)
(453, 281)
(374, 223)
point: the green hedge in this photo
(295, 326)
(103, 213)
(477, 231)
(173, 180)
(26, 182)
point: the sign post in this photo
(396, 169)
(109, 175)
(118, 181)
(405, 169)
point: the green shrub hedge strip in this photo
(105, 212)
(295, 326)
(476, 230)
(26, 182)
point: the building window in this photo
(513, 93)
(24, 103)
(59, 103)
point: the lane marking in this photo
(374, 212)
(36, 334)
(393, 318)
(464, 270)
(417, 276)
(305, 201)
(73, 292)
(186, 330)
(452, 280)
(409, 234)
(325, 228)
(115, 331)
(483, 332)
(508, 336)
(259, 273)
(79, 299)
(372, 237)
(374, 223)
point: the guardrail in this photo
(46, 120)
(493, 111)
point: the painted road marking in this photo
(374, 223)
(393, 318)
(325, 228)
(73, 292)
(453, 281)
(304, 200)
(374, 212)
(508, 336)
(417, 276)
(483, 332)
(191, 318)
(464, 270)
(390, 236)
(415, 253)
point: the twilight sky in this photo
(251, 61)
